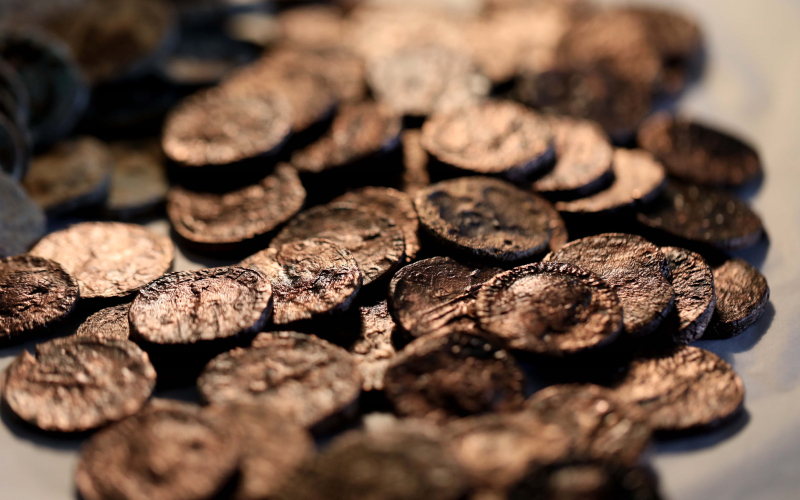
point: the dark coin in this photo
(376, 242)
(638, 179)
(415, 162)
(109, 259)
(695, 298)
(634, 268)
(168, 451)
(300, 376)
(699, 154)
(36, 293)
(487, 217)
(79, 383)
(72, 175)
(309, 278)
(314, 26)
(14, 148)
(742, 297)
(109, 323)
(220, 220)
(550, 308)
(139, 180)
(374, 350)
(490, 138)
(451, 375)
(682, 388)
(22, 222)
(695, 214)
(193, 306)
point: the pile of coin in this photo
(452, 251)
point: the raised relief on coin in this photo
(742, 297)
(139, 179)
(22, 221)
(695, 298)
(109, 323)
(373, 350)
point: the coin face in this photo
(109, 259)
(109, 323)
(742, 297)
(22, 222)
(139, 180)
(373, 350)
(695, 298)
(78, 383)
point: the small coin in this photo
(550, 308)
(374, 350)
(376, 242)
(638, 179)
(14, 148)
(415, 162)
(139, 180)
(634, 268)
(78, 383)
(36, 293)
(167, 451)
(313, 26)
(109, 259)
(695, 298)
(742, 297)
(220, 220)
(697, 153)
(300, 376)
(22, 222)
(309, 278)
(109, 323)
(487, 217)
(430, 294)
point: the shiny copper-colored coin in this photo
(695, 298)
(742, 297)
(109, 323)
(139, 180)
(22, 221)
(373, 350)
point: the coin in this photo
(109, 323)
(193, 306)
(314, 26)
(415, 162)
(698, 153)
(37, 293)
(375, 241)
(487, 217)
(109, 259)
(373, 350)
(695, 299)
(742, 297)
(634, 268)
(14, 148)
(22, 222)
(550, 308)
(300, 376)
(139, 180)
(78, 383)
(309, 278)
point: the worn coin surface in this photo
(139, 180)
(78, 383)
(742, 297)
(109, 259)
(695, 298)
(373, 350)
(22, 222)
(109, 323)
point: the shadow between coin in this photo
(704, 437)
(725, 348)
(56, 440)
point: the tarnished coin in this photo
(373, 350)
(169, 450)
(79, 383)
(682, 388)
(14, 148)
(433, 293)
(22, 222)
(71, 175)
(109, 323)
(309, 278)
(695, 298)
(549, 308)
(634, 268)
(451, 375)
(490, 138)
(139, 180)
(487, 217)
(314, 26)
(224, 220)
(695, 214)
(415, 162)
(192, 306)
(109, 259)
(742, 297)
(34, 293)
(300, 376)
(697, 153)
(376, 242)
(638, 179)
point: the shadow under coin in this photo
(725, 348)
(702, 438)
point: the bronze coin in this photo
(168, 451)
(415, 163)
(300, 376)
(373, 350)
(79, 383)
(22, 221)
(695, 298)
(550, 308)
(634, 268)
(314, 26)
(682, 388)
(309, 278)
(109, 259)
(109, 323)
(742, 297)
(139, 180)
(487, 217)
(638, 179)
(221, 220)
(697, 153)
(376, 242)
(36, 293)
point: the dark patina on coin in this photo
(300, 376)
(373, 350)
(22, 222)
(742, 297)
(109, 323)
(78, 383)
(109, 259)
(634, 268)
(139, 180)
(487, 217)
(695, 298)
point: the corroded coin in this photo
(300, 376)
(634, 268)
(309, 278)
(695, 299)
(415, 162)
(376, 242)
(549, 308)
(109, 259)
(109, 323)
(139, 180)
(742, 297)
(79, 383)
(22, 222)
(373, 350)
(36, 293)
